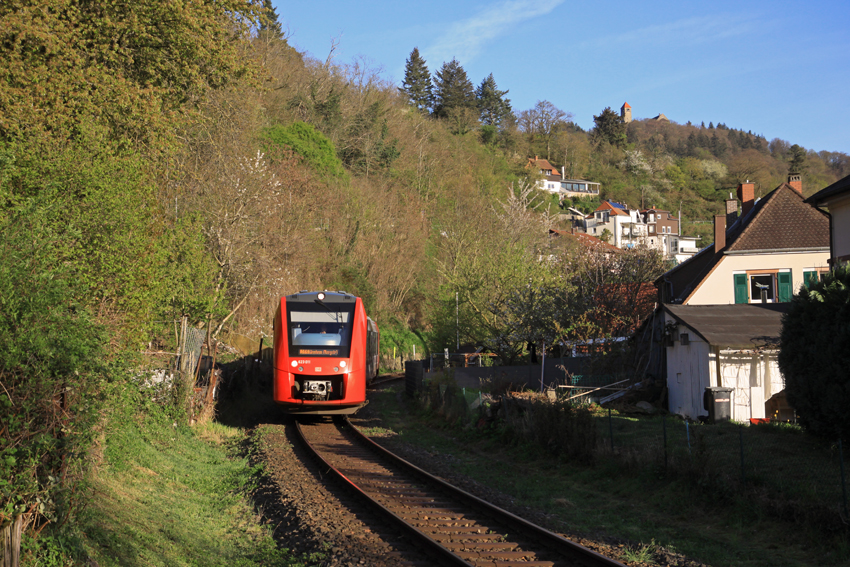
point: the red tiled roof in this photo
(607, 206)
(783, 222)
(542, 164)
(627, 105)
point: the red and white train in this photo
(325, 353)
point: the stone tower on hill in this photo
(626, 112)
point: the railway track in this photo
(385, 379)
(453, 526)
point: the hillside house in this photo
(655, 228)
(721, 309)
(556, 182)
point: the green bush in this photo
(814, 355)
(303, 139)
(50, 370)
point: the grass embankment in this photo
(641, 505)
(172, 496)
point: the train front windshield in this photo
(319, 329)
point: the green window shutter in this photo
(810, 278)
(741, 288)
(786, 290)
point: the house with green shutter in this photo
(762, 255)
(721, 310)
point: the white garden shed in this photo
(732, 346)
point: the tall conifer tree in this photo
(269, 24)
(452, 89)
(492, 106)
(417, 82)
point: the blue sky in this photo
(778, 68)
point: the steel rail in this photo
(567, 550)
(432, 546)
(562, 545)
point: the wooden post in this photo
(213, 378)
(12, 542)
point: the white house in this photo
(555, 181)
(722, 308)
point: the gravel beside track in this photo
(310, 514)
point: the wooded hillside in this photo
(161, 159)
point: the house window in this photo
(811, 276)
(762, 288)
(684, 339)
(773, 286)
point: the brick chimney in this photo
(747, 196)
(795, 180)
(731, 210)
(719, 233)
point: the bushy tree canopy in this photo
(815, 355)
(609, 127)
(131, 65)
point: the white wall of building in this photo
(840, 211)
(719, 289)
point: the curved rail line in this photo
(455, 527)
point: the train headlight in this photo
(300, 369)
(342, 363)
(294, 363)
(321, 296)
(336, 368)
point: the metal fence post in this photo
(843, 484)
(664, 428)
(741, 438)
(611, 429)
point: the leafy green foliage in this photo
(50, 368)
(131, 66)
(104, 225)
(400, 339)
(797, 163)
(815, 354)
(302, 138)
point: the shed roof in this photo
(747, 325)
